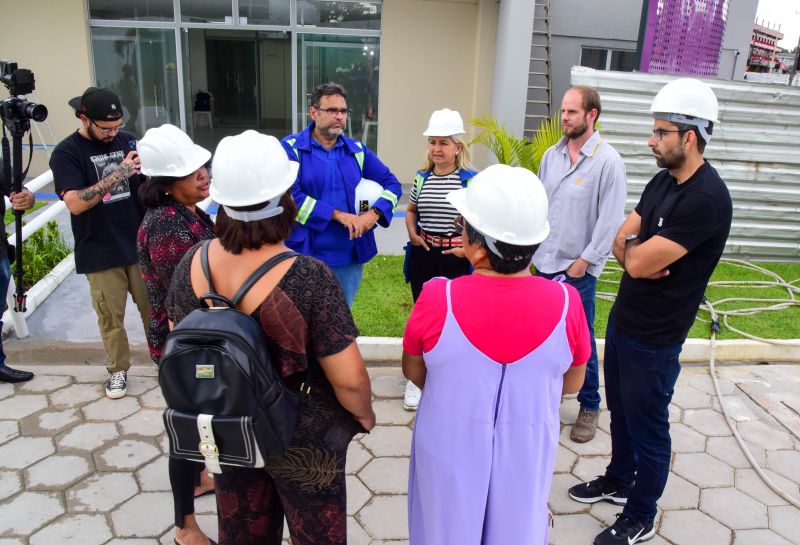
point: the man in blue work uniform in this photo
(329, 225)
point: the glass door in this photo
(140, 66)
(350, 61)
(233, 81)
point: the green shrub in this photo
(41, 252)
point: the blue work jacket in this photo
(314, 214)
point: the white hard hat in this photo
(505, 203)
(250, 168)
(168, 151)
(444, 122)
(367, 192)
(689, 101)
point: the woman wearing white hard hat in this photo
(493, 352)
(304, 315)
(434, 247)
(173, 223)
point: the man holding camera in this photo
(19, 201)
(96, 174)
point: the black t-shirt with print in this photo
(105, 235)
(697, 215)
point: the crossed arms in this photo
(649, 259)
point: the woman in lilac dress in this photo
(493, 352)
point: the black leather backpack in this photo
(226, 402)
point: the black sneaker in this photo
(625, 531)
(117, 385)
(600, 489)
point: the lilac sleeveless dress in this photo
(485, 441)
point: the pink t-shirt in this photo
(505, 318)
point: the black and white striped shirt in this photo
(434, 213)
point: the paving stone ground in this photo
(76, 468)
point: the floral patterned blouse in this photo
(166, 233)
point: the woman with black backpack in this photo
(310, 337)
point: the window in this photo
(259, 60)
(608, 59)
(350, 61)
(131, 10)
(261, 12)
(623, 61)
(139, 65)
(211, 11)
(339, 13)
(594, 58)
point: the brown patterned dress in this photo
(305, 317)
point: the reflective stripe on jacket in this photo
(314, 214)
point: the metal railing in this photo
(39, 291)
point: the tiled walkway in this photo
(76, 468)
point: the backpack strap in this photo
(211, 298)
(258, 273)
(204, 265)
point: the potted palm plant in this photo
(514, 151)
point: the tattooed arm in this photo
(79, 201)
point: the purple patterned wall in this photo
(684, 36)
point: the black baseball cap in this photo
(97, 104)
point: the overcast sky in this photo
(781, 12)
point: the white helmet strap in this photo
(490, 243)
(701, 124)
(271, 209)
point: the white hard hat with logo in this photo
(444, 122)
(367, 192)
(251, 168)
(689, 101)
(505, 203)
(168, 151)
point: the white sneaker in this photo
(411, 399)
(117, 385)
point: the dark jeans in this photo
(5, 276)
(640, 380)
(589, 396)
(424, 265)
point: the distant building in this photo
(786, 59)
(764, 49)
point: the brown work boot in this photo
(585, 426)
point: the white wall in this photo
(434, 54)
(55, 45)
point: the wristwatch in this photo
(631, 236)
(377, 211)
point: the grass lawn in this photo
(384, 300)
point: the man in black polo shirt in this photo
(669, 246)
(96, 174)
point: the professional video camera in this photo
(16, 114)
(19, 81)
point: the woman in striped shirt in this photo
(434, 247)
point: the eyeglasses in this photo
(107, 130)
(458, 224)
(333, 112)
(659, 133)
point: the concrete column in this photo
(512, 63)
